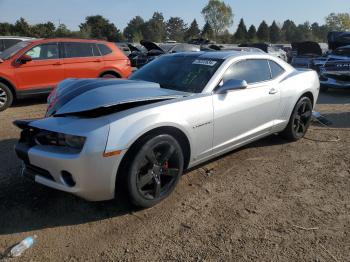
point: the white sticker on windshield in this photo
(204, 62)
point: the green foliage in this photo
(338, 22)
(241, 34)
(155, 28)
(193, 31)
(100, 28)
(263, 33)
(133, 31)
(218, 15)
(207, 31)
(251, 33)
(275, 33)
(176, 28)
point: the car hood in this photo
(338, 39)
(151, 46)
(307, 48)
(73, 96)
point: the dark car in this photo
(8, 41)
(139, 57)
(304, 53)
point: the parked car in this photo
(335, 72)
(227, 47)
(8, 41)
(36, 66)
(176, 112)
(140, 57)
(305, 53)
(268, 48)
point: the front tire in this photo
(300, 120)
(154, 170)
(6, 97)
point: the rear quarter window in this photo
(276, 69)
(105, 50)
(75, 49)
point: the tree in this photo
(6, 29)
(263, 32)
(133, 31)
(338, 22)
(289, 31)
(193, 31)
(176, 29)
(319, 32)
(155, 28)
(100, 28)
(46, 30)
(218, 15)
(304, 32)
(241, 33)
(22, 28)
(275, 33)
(225, 37)
(251, 36)
(207, 31)
(63, 31)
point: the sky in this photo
(73, 12)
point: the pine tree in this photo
(263, 32)
(275, 33)
(241, 33)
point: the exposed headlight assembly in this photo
(59, 139)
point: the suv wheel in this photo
(6, 97)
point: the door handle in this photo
(57, 63)
(273, 91)
(98, 60)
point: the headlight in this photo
(59, 139)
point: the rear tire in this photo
(299, 121)
(6, 97)
(109, 76)
(153, 170)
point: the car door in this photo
(81, 60)
(43, 72)
(245, 114)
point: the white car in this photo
(175, 113)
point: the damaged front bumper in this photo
(86, 173)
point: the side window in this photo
(75, 49)
(276, 69)
(95, 50)
(44, 52)
(105, 50)
(252, 71)
(2, 47)
(10, 42)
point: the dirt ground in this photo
(270, 201)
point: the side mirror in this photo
(232, 84)
(24, 59)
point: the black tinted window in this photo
(105, 50)
(1, 45)
(276, 69)
(95, 50)
(252, 71)
(78, 50)
(43, 52)
(10, 42)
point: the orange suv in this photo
(37, 66)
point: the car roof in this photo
(17, 37)
(217, 54)
(44, 40)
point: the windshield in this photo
(182, 73)
(11, 51)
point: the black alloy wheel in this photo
(155, 170)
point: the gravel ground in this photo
(269, 201)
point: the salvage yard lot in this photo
(270, 201)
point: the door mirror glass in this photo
(232, 84)
(24, 59)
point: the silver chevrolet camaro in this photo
(178, 111)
